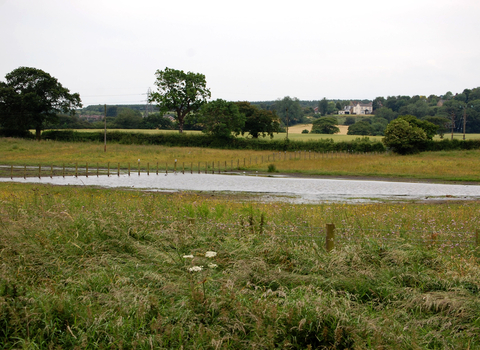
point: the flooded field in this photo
(298, 190)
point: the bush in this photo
(349, 121)
(325, 125)
(360, 128)
(404, 138)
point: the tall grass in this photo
(98, 268)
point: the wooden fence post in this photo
(86, 170)
(329, 237)
(76, 169)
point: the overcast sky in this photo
(108, 50)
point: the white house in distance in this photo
(357, 108)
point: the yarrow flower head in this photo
(212, 266)
(210, 254)
(195, 268)
(188, 256)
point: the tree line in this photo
(33, 99)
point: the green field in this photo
(97, 268)
(439, 166)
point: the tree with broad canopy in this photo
(180, 92)
(221, 119)
(30, 98)
(258, 121)
(325, 125)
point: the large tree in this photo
(180, 92)
(221, 119)
(323, 107)
(289, 110)
(30, 98)
(258, 121)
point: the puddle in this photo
(298, 190)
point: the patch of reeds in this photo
(99, 268)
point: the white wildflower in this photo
(195, 268)
(210, 254)
(212, 266)
(188, 256)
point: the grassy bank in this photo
(443, 165)
(97, 268)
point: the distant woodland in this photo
(447, 111)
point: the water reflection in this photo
(299, 190)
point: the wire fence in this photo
(146, 168)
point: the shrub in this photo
(325, 125)
(349, 121)
(272, 168)
(360, 128)
(404, 138)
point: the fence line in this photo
(205, 167)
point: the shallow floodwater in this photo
(298, 190)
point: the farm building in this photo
(357, 108)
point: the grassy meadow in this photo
(103, 268)
(439, 166)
